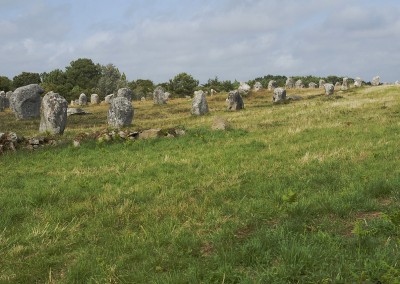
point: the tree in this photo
(56, 81)
(26, 78)
(84, 74)
(141, 88)
(5, 84)
(183, 85)
(109, 81)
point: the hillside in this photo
(304, 192)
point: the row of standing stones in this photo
(26, 102)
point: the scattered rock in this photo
(120, 113)
(199, 104)
(150, 133)
(329, 89)
(234, 101)
(53, 114)
(26, 101)
(257, 86)
(279, 95)
(76, 111)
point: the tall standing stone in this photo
(125, 92)
(159, 96)
(357, 82)
(94, 99)
(26, 101)
(279, 95)
(53, 113)
(289, 83)
(329, 89)
(375, 81)
(257, 86)
(344, 84)
(199, 103)
(321, 83)
(299, 84)
(272, 85)
(8, 97)
(82, 100)
(120, 113)
(234, 101)
(244, 88)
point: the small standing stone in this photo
(125, 92)
(53, 113)
(329, 89)
(375, 81)
(82, 100)
(234, 101)
(212, 92)
(272, 85)
(199, 104)
(8, 97)
(344, 84)
(2, 101)
(299, 84)
(312, 85)
(357, 82)
(321, 83)
(25, 101)
(257, 86)
(289, 83)
(94, 99)
(397, 82)
(244, 88)
(159, 96)
(279, 95)
(109, 98)
(120, 113)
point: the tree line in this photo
(84, 76)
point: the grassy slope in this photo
(304, 192)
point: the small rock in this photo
(76, 143)
(219, 123)
(150, 133)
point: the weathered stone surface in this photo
(167, 95)
(82, 100)
(289, 83)
(120, 113)
(199, 103)
(234, 101)
(2, 101)
(312, 85)
(94, 99)
(8, 96)
(357, 82)
(344, 86)
(321, 83)
(219, 123)
(244, 88)
(212, 92)
(299, 84)
(53, 113)
(150, 133)
(26, 100)
(375, 81)
(126, 93)
(279, 95)
(272, 85)
(76, 111)
(294, 98)
(109, 98)
(329, 89)
(257, 86)
(159, 96)
(337, 84)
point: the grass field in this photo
(304, 192)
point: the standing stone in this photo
(213, 92)
(53, 113)
(279, 95)
(26, 100)
(109, 98)
(375, 81)
(257, 86)
(120, 113)
(143, 99)
(344, 84)
(244, 88)
(166, 96)
(397, 82)
(234, 101)
(94, 99)
(82, 100)
(159, 96)
(8, 97)
(337, 84)
(357, 82)
(289, 83)
(272, 85)
(125, 92)
(2, 101)
(312, 85)
(199, 104)
(299, 84)
(321, 83)
(329, 89)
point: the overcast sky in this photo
(231, 39)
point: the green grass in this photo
(305, 192)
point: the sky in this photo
(231, 39)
